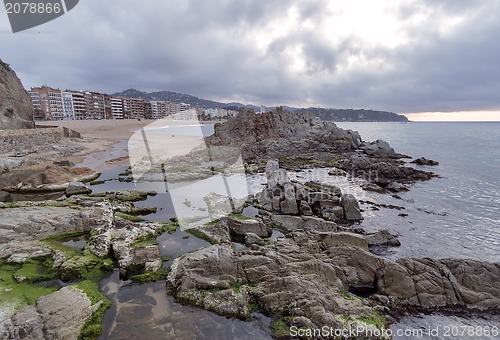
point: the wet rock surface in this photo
(425, 161)
(306, 274)
(60, 315)
(281, 196)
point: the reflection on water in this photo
(147, 312)
(177, 244)
(454, 216)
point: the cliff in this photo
(16, 111)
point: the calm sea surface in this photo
(457, 215)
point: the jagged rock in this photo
(77, 188)
(272, 173)
(314, 197)
(344, 239)
(238, 228)
(337, 172)
(351, 208)
(319, 224)
(357, 161)
(396, 187)
(304, 208)
(372, 187)
(16, 111)
(289, 204)
(265, 199)
(328, 209)
(52, 178)
(252, 238)
(301, 193)
(306, 266)
(379, 148)
(293, 223)
(218, 232)
(28, 252)
(145, 259)
(429, 284)
(324, 188)
(290, 223)
(425, 161)
(32, 223)
(278, 133)
(60, 315)
(382, 238)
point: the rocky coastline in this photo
(322, 271)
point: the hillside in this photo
(352, 115)
(179, 97)
(324, 114)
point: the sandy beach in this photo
(107, 142)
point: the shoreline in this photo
(105, 141)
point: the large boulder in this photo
(60, 315)
(379, 148)
(351, 207)
(16, 110)
(77, 188)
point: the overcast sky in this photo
(402, 56)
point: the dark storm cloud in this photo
(268, 52)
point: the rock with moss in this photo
(330, 269)
(77, 188)
(60, 315)
(143, 259)
(86, 266)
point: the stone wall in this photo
(23, 140)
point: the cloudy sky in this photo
(414, 56)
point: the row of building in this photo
(53, 104)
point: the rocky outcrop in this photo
(351, 207)
(77, 188)
(300, 140)
(425, 161)
(16, 111)
(60, 315)
(379, 148)
(25, 223)
(311, 276)
(54, 178)
(279, 132)
(281, 196)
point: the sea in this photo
(456, 215)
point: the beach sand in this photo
(107, 142)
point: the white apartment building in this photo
(116, 107)
(67, 100)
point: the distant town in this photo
(53, 104)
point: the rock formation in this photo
(311, 277)
(60, 315)
(279, 132)
(16, 111)
(281, 196)
(300, 140)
